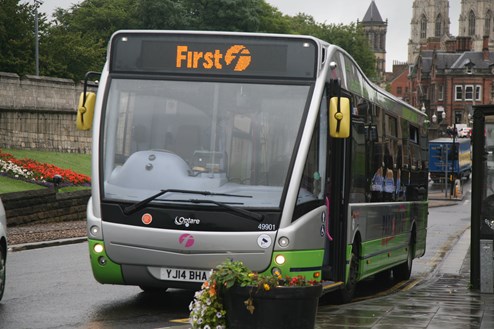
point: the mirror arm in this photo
(86, 78)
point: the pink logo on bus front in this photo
(186, 240)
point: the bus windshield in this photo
(222, 137)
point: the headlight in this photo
(98, 248)
(280, 259)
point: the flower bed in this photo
(38, 173)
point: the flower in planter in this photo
(207, 310)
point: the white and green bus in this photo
(274, 150)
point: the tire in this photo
(348, 291)
(3, 269)
(403, 271)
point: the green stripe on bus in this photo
(299, 262)
(383, 253)
(108, 273)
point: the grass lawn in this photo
(8, 185)
(80, 163)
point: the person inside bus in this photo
(389, 186)
(377, 185)
(399, 189)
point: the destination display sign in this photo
(238, 55)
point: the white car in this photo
(3, 248)
(465, 132)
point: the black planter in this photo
(282, 307)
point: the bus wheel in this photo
(403, 271)
(348, 291)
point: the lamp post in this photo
(453, 158)
(37, 3)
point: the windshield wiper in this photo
(246, 213)
(141, 204)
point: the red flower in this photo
(45, 172)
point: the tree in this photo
(272, 20)
(162, 14)
(98, 19)
(77, 41)
(349, 37)
(17, 36)
(224, 15)
(70, 55)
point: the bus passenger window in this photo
(358, 179)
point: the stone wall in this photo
(45, 206)
(40, 113)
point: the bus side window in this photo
(358, 181)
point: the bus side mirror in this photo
(85, 111)
(339, 117)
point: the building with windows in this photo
(476, 22)
(398, 81)
(429, 27)
(449, 74)
(452, 82)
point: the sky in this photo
(397, 12)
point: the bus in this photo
(273, 150)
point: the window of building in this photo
(399, 90)
(440, 94)
(478, 92)
(469, 93)
(423, 27)
(458, 117)
(471, 23)
(438, 31)
(458, 93)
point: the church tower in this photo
(429, 26)
(476, 21)
(375, 30)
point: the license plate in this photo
(180, 274)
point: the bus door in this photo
(338, 168)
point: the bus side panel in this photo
(385, 232)
(378, 255)
(421, 211)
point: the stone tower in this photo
(375, 29)
(476, 21)
(430, 25)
